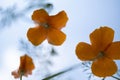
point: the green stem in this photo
(62, 72)
(21, 76)
(115, 77)
(69, 69)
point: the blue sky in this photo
(84, 17)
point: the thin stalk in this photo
(21, 74)
(20, 77)
(115, 77)
(62, 72)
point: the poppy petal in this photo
(104, 67)
(15, 74)
(113, 50)
(36, 35)
(58, 21)
(102, 37)
(29, 66)
(85, 51)
(40, 16)
(26, 64)
(55, 37)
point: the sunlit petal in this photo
(26, 64)
(84, 51)
(15, 74)
(104, 67)
(25, 68)
(58, 21)
(40, 16)
(56, 37)
(113, 50)
(36, 35)
(29, 66)
(102, 37)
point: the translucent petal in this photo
(113, 50)
(40, 16)
(104, 67)
(15, 74)
(85, 51)
(58, 21)
(102, 37)
(55, 37)
(26, 64)
(36, 35)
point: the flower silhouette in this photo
(25, 68)
(49, 27)
(102, 51)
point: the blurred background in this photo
(54, 62)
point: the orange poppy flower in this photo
(25, 68)
(49, 27)
(102, 51)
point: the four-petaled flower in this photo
(25, 68)
(102, 51)
(49, 27)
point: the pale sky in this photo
(84, 17)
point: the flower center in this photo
(44, 25)
(101, 54)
